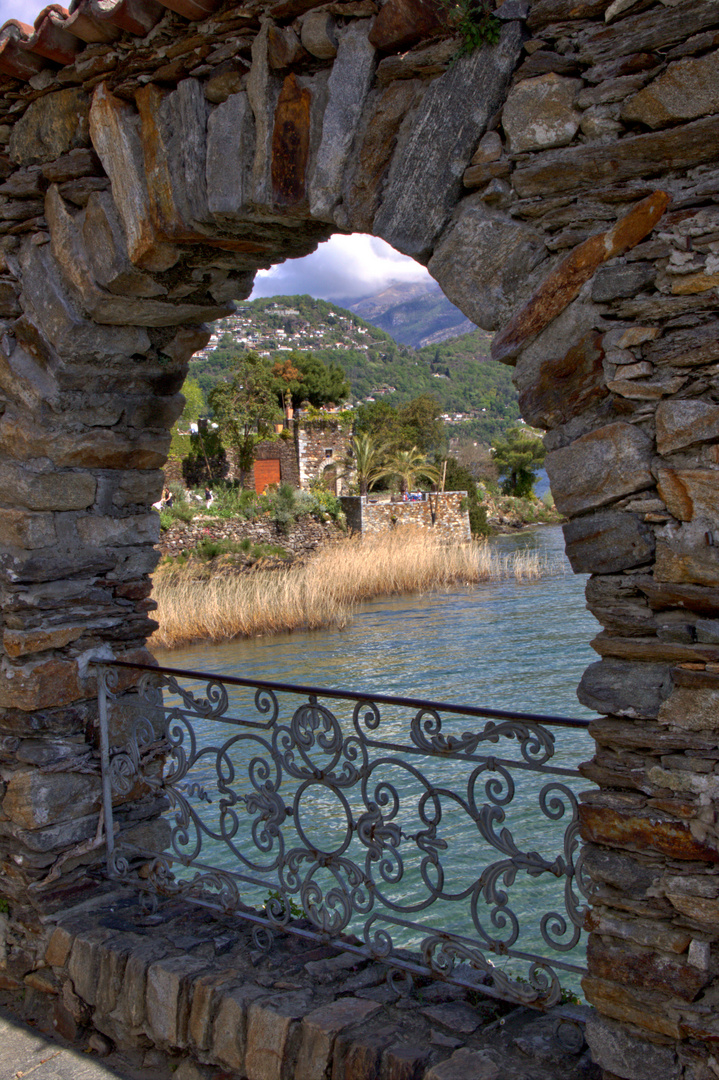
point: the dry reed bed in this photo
(323, 592)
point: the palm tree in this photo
(409, 466)
(366, 459)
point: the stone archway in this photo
(562, 187)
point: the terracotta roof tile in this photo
(51, 39)
(58, 34)
(86, 26)
(15, 61)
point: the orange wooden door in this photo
(266, 472)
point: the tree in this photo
(307, 378)
(366, 458)
(409, 466)
(418, 423)
(245, 408)
(194, 404)
(516, 456)
(459, 478)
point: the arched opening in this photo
(157, 207)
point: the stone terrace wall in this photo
(443, 514)
(563, 188)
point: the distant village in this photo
(340, 334)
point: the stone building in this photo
(445, 514)
(562, 186)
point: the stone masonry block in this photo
(627, 1055)
(59, 947)
(130, 1008)
(205, 993)
(84, 964)
(319, 1029)
(272, 1037)
(166, 999)
(229, 1035)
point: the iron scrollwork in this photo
(354, 825)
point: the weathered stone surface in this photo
(22, 528)
(173, 133)
(645, 1009)
(283, 48)
(291, 143)
(635, 965)
(692, 709)
(229, 1030)
(402, 23)
(621, 688)
(138, 529)
(34, 800)
(84, 963)
(383, 113)
(319, 1029)
(21, 642)
(59, 946)
(540, 113)
(619, 279)
(68, 248)
(115, 133)
(55, 315)
(600, 467)
(319, 34)
(426, 62)
(659, 649)
(482, 261)
(684, 422)
(98, 448)
(51, 126)
(578, 167)
(622, 1053)
(565, 387)
(270, 1029)
(688, 348)
(458, 1017)
(651, 831)
(106, 246)
(206, 991)
(436, 142)
(230, 155)
(347, 88)
(687, 89)
(685, 553)
(263, 90)
(690, 493)
(607, 542)
(465, 1064)
(564, 284)
(166, 998)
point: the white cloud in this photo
(24, 10)
(343, 267)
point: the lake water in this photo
(506, 645)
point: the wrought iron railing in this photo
(387, 830)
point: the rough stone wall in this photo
(314, 440)
(562, 187)
(303, 536)
(444, 514)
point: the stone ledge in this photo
(189, 989)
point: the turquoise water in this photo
(507, 645)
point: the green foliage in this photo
(476, 23)
(373, 360)
(206, 461)
(409, 466)
(245, 407)
(4, 906)
(366, 457)
(305, 377)
(417, 424)
(295, 909)
(516, 456)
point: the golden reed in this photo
(323, 592)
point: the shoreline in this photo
(202, 602)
